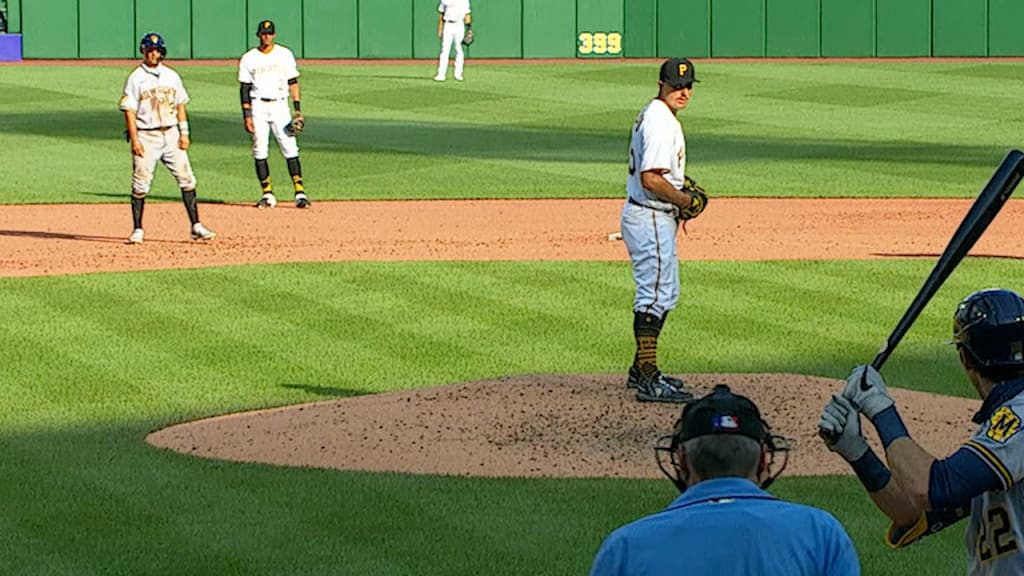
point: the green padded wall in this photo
(287, 19)
(684, 28)
(49, 29)
(847, 28)
(1004, 28)
(425, 43)
(220, 29)
(170, 18)
(640, 24)
(959, 28)
(105, 29)
(14, 16)
(792, 28)
(385, 28)
(599, 28)
(499, 29)
(549, 28)
(737, 28)
(904, 28)
(330, 29)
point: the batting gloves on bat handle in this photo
(866, 390)
(840, 427)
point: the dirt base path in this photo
(39, 240)
(543, 425)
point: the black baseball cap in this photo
(722, 412)
(265, 27)
(677, 73)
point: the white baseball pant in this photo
(453, 33)
(650, 237)
(270, 117)
(160, 145)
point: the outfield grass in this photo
(90, 364)
(531, 131)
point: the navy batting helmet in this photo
(152, 41)
(990, 324)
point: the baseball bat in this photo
(991, 199)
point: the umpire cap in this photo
(265, 27)
(722, 412)
(990, 325)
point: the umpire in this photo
(724, 523)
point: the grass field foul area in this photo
(91, 363)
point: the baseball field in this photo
(458, 246)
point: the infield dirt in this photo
(512, 426)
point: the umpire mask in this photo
(720, 412)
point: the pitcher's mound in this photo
(537, 426)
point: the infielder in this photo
(658, 196)
(724, 523)
(156, 125)
(922, 494)
(452, 23)
(268, 74)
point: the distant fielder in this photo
(268, 74)
(454, 28)
(156, 125)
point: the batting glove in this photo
(866, 390)
(840, 428)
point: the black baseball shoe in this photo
(635, 376)
(301, 201)
(659, 389)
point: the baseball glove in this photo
(294, 127)
(468, 38)
(698, 199)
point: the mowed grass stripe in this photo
(539, 131)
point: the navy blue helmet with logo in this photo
(990, 325)
(152, 41)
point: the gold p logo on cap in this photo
(682, 69)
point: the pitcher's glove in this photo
(468, 38)
(295, 126)
(698, 199)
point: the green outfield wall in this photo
(529, 28)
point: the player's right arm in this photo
(245, 81)
(133, 133)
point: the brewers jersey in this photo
(268, 73)
(657, 143)
(153, 94)
(994, 534)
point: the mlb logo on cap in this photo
(725, 423)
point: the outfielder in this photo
(453, 22)
(922, 494)
(721, 458)
(156, 125)
(658, 197)
(268, 74)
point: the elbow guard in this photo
(245, 93)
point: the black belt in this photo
(161, 128)
(271, 99)
(635, 203)
(451, 21)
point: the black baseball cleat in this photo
(635, 376)
(660, 389)
(301, 201)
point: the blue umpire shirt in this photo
(729, 526)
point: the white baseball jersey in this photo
(995, 532)
(657, 143)
(154, 95)
(454, 10)
(268, 73)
